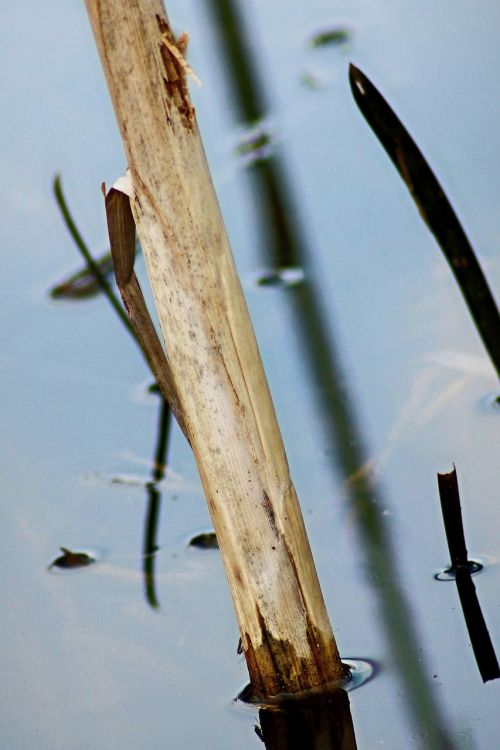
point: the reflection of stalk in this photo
(334, 406)
(154, 501)
(339, 421)
(158, 470)
(324, 723)
(245, 86)
(434, 208)
(270, 182)
(480, 639)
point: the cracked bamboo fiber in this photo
(221, 385)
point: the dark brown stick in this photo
(452, 517)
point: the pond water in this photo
(377, 372)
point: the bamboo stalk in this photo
(215, 364)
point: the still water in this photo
(378, 376)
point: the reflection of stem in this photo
(434, 208)
(154, 501)
(154, 496)
(245, 86)
(321, 724)
(150, 547)
(276, 208)
(160, 462)
(270, 182)
(478, 632)
(93, 267)
(334, 406)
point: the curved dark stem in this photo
(434, 207)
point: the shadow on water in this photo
(285, 245)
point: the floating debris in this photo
(70, 560)
(83, 284)
(336, 36)
(311, 81)
(206, 540)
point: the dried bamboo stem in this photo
(214, 360)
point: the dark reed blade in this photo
(434, 208)
(121, 230)
(452, 517)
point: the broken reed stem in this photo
(452, 517)
(212, 353)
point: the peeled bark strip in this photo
(218, 375)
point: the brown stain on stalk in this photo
(172, 53)
(269, 511)
(317, 643)
(275, 667)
